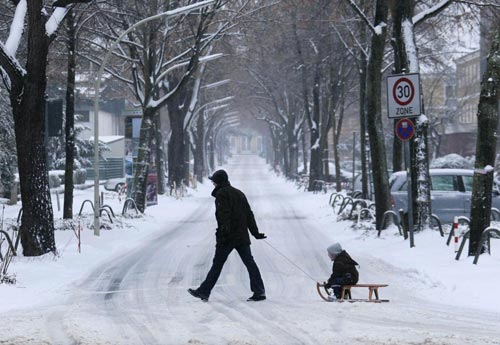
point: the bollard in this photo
(455, 233)
(79, 235)
(58, 202)
(102, 198)
(120, 193)
(13, 194)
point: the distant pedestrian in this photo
(234, 219)
(344, 270)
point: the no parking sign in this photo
(404, 129)
(403, 95)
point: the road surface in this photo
(140, 297)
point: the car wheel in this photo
(119, 187)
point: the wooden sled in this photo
(346, 295)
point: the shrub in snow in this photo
(84, 151)
(79, 176)
(8, 157)
(54, 180)
(453, 161)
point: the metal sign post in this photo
(403, 101)
(405, 131)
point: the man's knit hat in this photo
(334, 250)
(219, 177)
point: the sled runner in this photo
(346, 296)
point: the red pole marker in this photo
(455, 233)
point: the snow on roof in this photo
(108, 139)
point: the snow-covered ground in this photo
(128, 286)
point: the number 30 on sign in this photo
(403, 95)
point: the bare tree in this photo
(159, 62)
(374, 111)
(487, 116)
(26, 87)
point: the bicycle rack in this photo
(19, 215)
(486, 236)
(356, 194)
(495, 214)
(438, 221)
(126, 206)
(462, 245)
(11, 246)
(83, 204)
(345, 202)
(337, 197)
(395, 219)
(101, 210)
(331, 196)
(110, 209)
(363, 211)
(356, 203)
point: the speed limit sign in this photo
(403, 95)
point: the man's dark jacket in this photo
(234, 216)
(344, 267)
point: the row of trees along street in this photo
(290, 68)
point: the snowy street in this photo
(139, 295)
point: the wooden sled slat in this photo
(346, 295)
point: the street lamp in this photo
(168, 14)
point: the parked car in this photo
(115, 184)
(451, 193)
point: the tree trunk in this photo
(362, 127)
(210, 154)
(176, 152)
(276, 149)
(286, 156)
(160, 155)
(28, 106)
(315, 161)
(336, 156)
(407, 61)
(187, 158)
(374, 115)
(337, 129)
(143, 158)
(70, 118)
(487, 118)
(199, 154)
(304, 149)
(293, 149)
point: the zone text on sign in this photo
(404, 111)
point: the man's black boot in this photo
(196, 294)
(256, 298)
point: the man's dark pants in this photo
(221, 254)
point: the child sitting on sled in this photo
(344, 270)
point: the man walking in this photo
(234, 219)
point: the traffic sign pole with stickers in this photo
(403, 101)
(405, 129)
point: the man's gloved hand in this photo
(260, 236)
